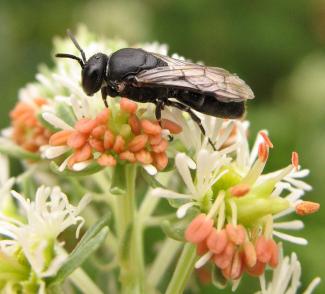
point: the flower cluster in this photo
(27, 131)
(238, 205)
(117, 133)
(30, 251)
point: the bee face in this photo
(94, 73)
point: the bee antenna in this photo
(65, 55)
(73, 39)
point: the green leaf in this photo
(13, 150)
(175, 228)
(78, 256)
(151, 180)
(89, 170)
(93, 230)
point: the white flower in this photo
(286, 278)
(207, 168)
(46, 217)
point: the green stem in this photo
(183, 270)
(163, 260)
(129, 232)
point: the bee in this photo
(151, 77)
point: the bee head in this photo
(93, 70)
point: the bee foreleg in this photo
(160, 105)
(103, 90)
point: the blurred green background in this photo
(276, 46)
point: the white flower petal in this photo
(203, 259)
(181, 211)
(150, 169)
(164, 193)
(52, 152)
(292, 239)
(56, 121)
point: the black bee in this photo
(150, 77)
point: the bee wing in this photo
(226, 87)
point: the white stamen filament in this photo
(289, 238)
(203, 260)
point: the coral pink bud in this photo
(103, 116)
(83, 154)
(161, 147)
(138, 143)
(263, 152)
(249, 254)
(295, 160)
(98, 132)
(72, 160)
(150, 127)
(199, 229)
(274, 260)
(236, 234)
(144, 157)
(98, 145)
(60, 138)
(109, 139)
(128, 105)
(106, 160)
(135, 124)
(217, 241)
(119, 144)
(266, 139)
(173, 127)
(155, 140)
(76, 140)
(160, 160)
(307, 207)
(240, 190)
(224, 259)
(85, 125)
(201, 248)
(256, 270)
(127, 155)
(263, 252)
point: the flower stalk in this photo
(129, 234)
(183, 271)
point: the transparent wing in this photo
(215, 81)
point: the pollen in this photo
(263, 152)
(240, 190)
(295, 160)
(266, 139)
(307, 207)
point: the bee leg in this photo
(104, 96)
(160, 105)
(195, 118)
